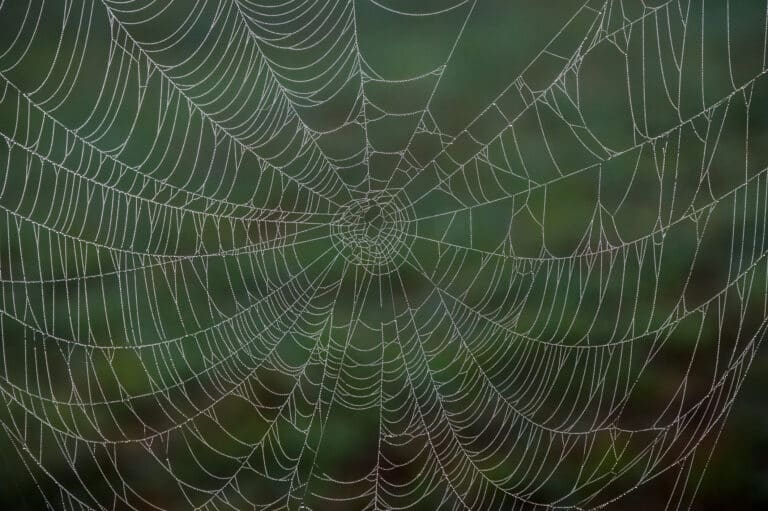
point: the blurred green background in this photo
(154, 187)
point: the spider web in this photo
(264, 255)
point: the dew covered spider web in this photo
(377, 254)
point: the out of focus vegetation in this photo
(500, 40)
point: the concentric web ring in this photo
(377, 254)
(372, 232)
